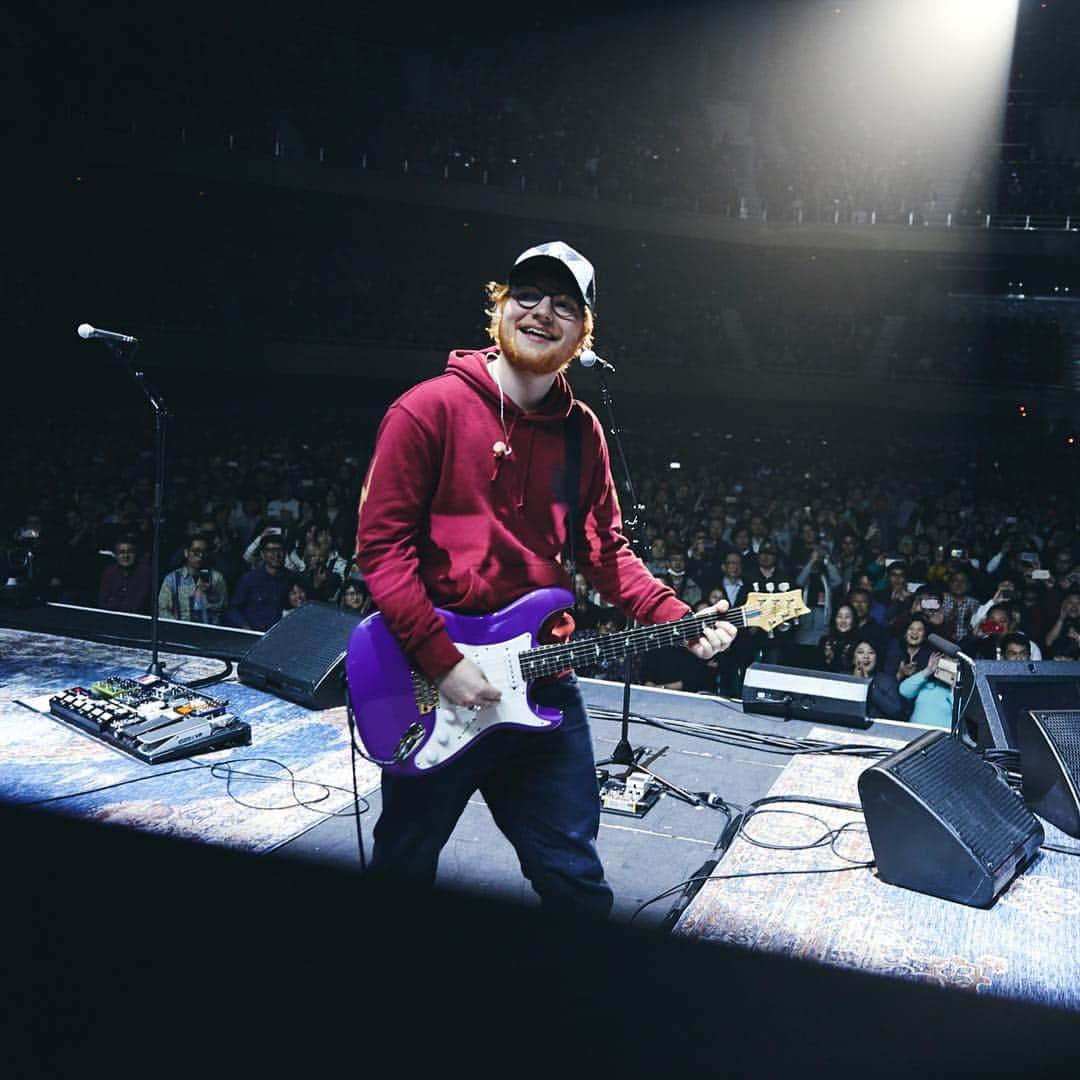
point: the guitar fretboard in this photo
(551, 659)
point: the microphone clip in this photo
(589, 359)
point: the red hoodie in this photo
(444, 522)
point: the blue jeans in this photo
(541, 789)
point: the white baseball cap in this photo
(565, 255)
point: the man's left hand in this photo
(715, 638)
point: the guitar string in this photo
(548, 659)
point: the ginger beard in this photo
(536, 356)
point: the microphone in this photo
(590, 359)
(86, 332)
(948, 648)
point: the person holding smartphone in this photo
(930, 694)
(193, 592)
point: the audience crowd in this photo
(889, 536)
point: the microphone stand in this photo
(624, 753)
(161, 415)
(967, 667)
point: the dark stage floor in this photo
(643, 856)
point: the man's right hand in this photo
(466, 685)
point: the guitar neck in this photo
(551, 659)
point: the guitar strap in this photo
(572, 481)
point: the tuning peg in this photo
(769, 586)
(784, 586)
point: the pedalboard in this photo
(632, 797)
(150, 718)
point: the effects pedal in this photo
(150, 718)
(633, 797)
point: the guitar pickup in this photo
(425, 693)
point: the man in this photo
(221, 556)
(732, 665)
(320, 583)
(125, 585)
(769, 570)
(925, 602)
(958, 605)
(759, 533)
(36, 558)
(769, 576)
(1064, 574)
(1064, 635)
(818, 581)
(1015, 646)
(464, 506)
(894, 597)
(743, 545)
(262, 594)
(866, 626)
(657, 560)
(193, 592)
(685, 587)
(987, 641)
(735, 589)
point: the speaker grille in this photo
(299, 656)
(1063, 729)
(986, 816)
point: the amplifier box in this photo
(798, 694)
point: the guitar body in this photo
(389, 696)
(409, 728)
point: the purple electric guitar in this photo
(409, 728)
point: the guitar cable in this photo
(407, 744)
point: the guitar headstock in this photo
(768, 610)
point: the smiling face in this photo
(541, 321)
(865, 659)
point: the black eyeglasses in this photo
(564, 305)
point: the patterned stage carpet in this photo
(1027, 946)
(41, 758)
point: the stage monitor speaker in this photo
(1004, 691)
(797, 694)
(301, 657)
(1050, 766)
(942, 821)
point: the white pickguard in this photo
(456, 726)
